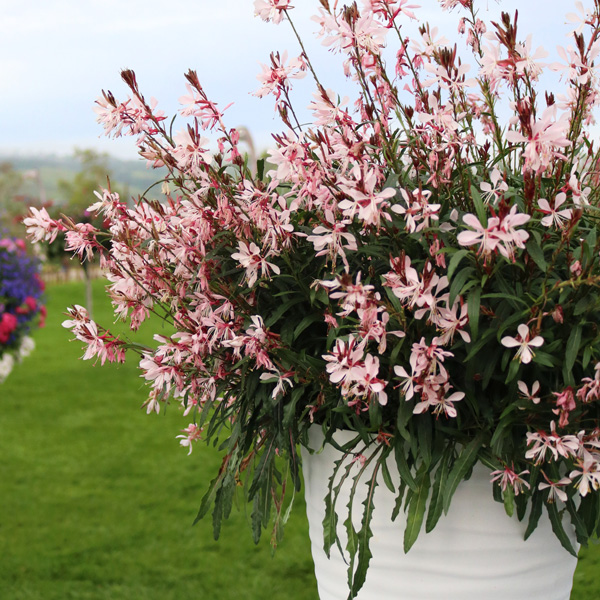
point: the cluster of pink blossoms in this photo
(410, 250)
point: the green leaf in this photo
(537, 503)
(545, 359)
(424, 436)
(306, 322)
(479, 344)
(505, 423)
(416, 510)
(208, 497)
(262, 470)
(385, 473)
(364, 536)
(508, 497)
(580, 528)
(260, 168)
(462, 465)
(330, 519)
(436, 506)
(587, 356)
(573, 344)
(281, 310)
(405, 413)
(505, 296)
(537, 254)
(403, 468)
(479, 206)
(559, 531)
(585, 304)
(223, 503)
(455, 260)
(458, 283)
(513, 370)
(474, 309)
(256, 519)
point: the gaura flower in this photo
(524, 344)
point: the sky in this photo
(56, 56)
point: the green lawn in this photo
(97, 498)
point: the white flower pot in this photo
(476, 552)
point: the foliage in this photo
(418, 269)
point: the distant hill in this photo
(133, 175)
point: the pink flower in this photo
(271, 10)
(588, 472)
(8, 323)
(192, 433)
(249, 257)
(565, 402)
(486, 236)
(524, 344)
(554, 491)
(364, 202)
(40, 226)
(508, 477)
(275, 78)
(343, 360)
(366, 382)
(492, 191)
(533, 395)
(543, 139)
(555, 217)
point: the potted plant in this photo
(417, 269)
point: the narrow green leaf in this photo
(580, 528)
(508, 498)
(364, 536)
(416, 511)
(474, 309)
(387, 477)
(306, 322)
(462, 465)
(537, 254)
(330, 519)
(458, 283)
(282, 309)
(573, 344)
(260, 168)
(479, 344)
(208, 497)
(405, 412)
(436, 506)
(559, 530)
(455, 260)
(585, 304)
(256, 519)
(587, 356)
(513, 370)
(424, 437)
(545, 359)
(403, 468)
(480, 208)
(261, 471)
(537, 504)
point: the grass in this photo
(97, 498)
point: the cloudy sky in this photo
(57, 55)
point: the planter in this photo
(476, 552)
